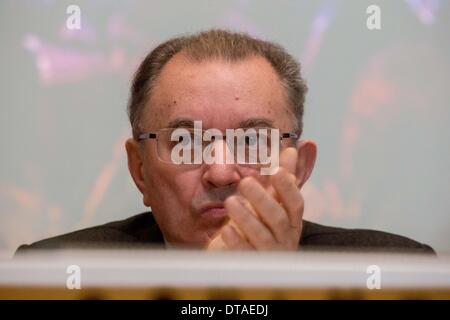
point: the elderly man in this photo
(205, 189)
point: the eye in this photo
(185, 139)
(251, 140)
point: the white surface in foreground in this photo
(147, 268)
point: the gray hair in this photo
(211, 44)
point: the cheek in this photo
(172, 186)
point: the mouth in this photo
(213, 211)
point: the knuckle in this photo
(297, 207)
(298, 204)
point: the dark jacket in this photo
(142, 231)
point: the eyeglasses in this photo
(249, 146)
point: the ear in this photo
(306, 158)
(135, 166)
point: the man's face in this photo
(187, 201)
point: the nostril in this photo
(220, 175)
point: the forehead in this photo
(222, 94)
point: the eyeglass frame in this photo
(154, 135)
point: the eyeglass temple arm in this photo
(148, 135)
(289, 135)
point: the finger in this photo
(252, 228)
(267, 208)
(233, 240)
(288, 159)
(289, 196)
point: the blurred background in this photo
(378, 108)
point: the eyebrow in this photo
(248, 123)
(256, 122)
(181, 123)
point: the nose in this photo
(219, 173)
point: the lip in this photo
(213, 210)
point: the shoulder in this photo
(315, 235)
(138, 229)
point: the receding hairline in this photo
(219, 44)
(184, 55)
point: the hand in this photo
(265, 218)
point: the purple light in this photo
(314, 42)
(425, 10)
